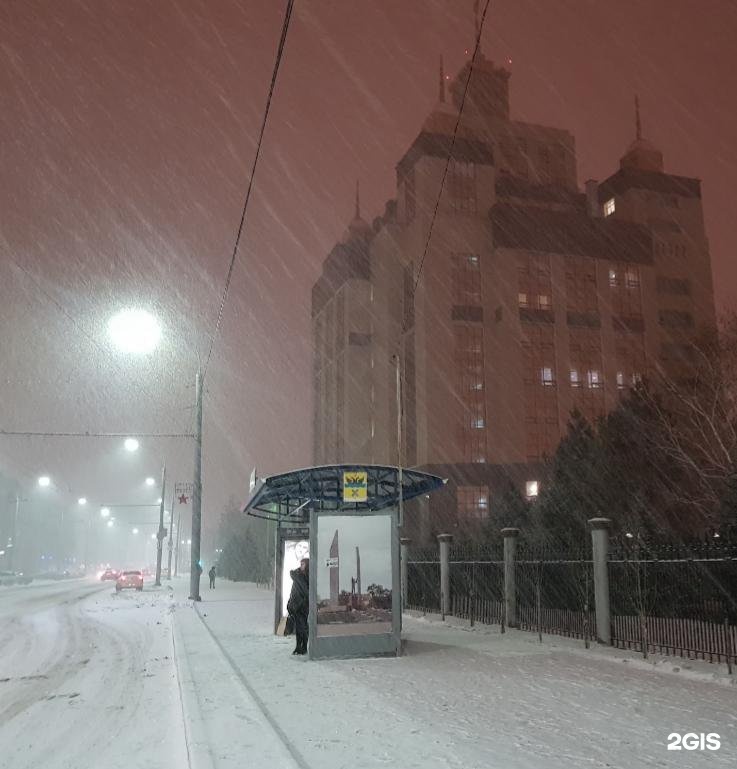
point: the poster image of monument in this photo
(354, 575)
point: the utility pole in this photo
(171, 533)
(194, 573)
(14, 539)
(161, 532)
(400, 489)
(176, 551)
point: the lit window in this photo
(483, 502)
(531, 489)
(636, 379)
(544, 302)
(609, 207)
(522, 299)
(473, 260)
(480, 460)
(594, 379)
(477, 423)
(613, 280)
(620, 380)
(575, 378)
(546, 376)
(631, 279)
(477, 385)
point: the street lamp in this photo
(150, 482)
(105, 512)
(110, 523)
(131, 444)
(82, 501)
(44, 481)
(134, 331)
(135, 531)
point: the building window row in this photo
(677, 286)
(462, 186)
(675, 319)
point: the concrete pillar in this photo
(510, 587)
(404, 543)
(600, 545)
(445, 540)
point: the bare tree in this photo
(698, 420)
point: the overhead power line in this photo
(279, 53)
(479, 33)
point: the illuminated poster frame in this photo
(284, 534)
(358, 644)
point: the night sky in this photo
(127, 131)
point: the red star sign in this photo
(183, 499)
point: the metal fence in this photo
(668, 599)
(675, 599)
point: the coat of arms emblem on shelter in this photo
(355, 486)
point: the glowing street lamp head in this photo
(82, 501)
(134, 331)
(135, 531)
(105, 512)
(110, 523)
(150, 481)
(44, 481)
(131, 444)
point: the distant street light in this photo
(134, 331)
(151, 482)
(105, 512)
(131, 444)
(158, 501)
(110, 523)
(82, 501)
(153, 536)
(44, 481)
(135, 531)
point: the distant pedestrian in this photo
(298, 605)
(211, 574)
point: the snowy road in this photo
(87, 679)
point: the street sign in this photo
(331, 563)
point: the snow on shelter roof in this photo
(289, 497)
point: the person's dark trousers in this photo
(302, 631)
(212, 583)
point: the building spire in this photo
(358, 201)
(441, 82)
(638, 123)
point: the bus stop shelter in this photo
(347, 518)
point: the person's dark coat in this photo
(299, 598)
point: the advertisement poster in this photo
(354, 575)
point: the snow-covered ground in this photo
(457, 698)
(87, 679)
(92, 679)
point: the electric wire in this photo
(479, 34)
(223, 300)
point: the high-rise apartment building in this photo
(528, 299)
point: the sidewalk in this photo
(457, 698)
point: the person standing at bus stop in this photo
(211, 575)
(299, 604)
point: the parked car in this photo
(109, 574)
(129, 579)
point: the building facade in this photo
(506, 302)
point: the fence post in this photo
(600, 545)
(510, 589)
(404, 543)
(444, 541)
